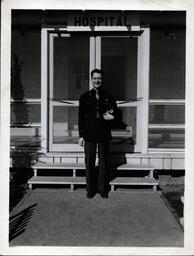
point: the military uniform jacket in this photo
(92, 126)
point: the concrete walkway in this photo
(57, 217)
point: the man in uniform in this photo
(97, 108)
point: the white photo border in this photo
(143, 5)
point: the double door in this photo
(71, 57)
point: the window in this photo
(25, 87)
(167, 90)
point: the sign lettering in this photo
(100, 21)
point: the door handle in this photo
(130, 101)
(61, 101)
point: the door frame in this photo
(143, 66)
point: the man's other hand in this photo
(81, 142)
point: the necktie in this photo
(97, 105)
(97, 95)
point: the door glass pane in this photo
(164, 114)
(119, 64)
(126, 117)
(122, 140)
(71, 67)
(166, 138)
(65, 125)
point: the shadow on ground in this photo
(19, 222)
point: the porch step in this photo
(123, 181)
(56, 180)
(138, 167)
(81, 166)
(76, 180)
(62, 166)
(128, 166)
(44, 165)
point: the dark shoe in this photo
(91, 195)
(104, 195)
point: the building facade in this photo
(142, 54)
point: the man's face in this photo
(97, 80)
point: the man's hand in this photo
(128, 128)
(81, 142)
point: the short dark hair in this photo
(96, 70)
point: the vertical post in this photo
(151, 173)
(44, 89)
(51, 89)
(51, 64)
(92, 55)
(98, 52)
(155, 188)
(72, 187)
(143, 67)
(35, 172)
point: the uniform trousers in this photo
(96, 180)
